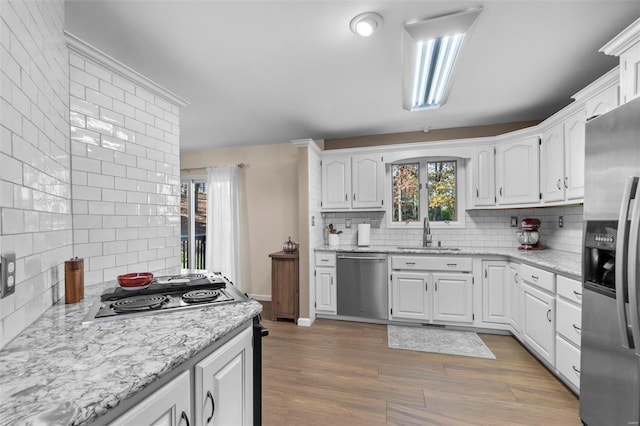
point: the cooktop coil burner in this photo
(201, 296)
(180, 279)
(139, 303)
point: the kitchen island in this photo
(61, 372)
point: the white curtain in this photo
(223, 227)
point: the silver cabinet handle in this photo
(324, 260)
(213, 406)
(436, 286)
(354, 196)
(577, 293)
(501, 191)
(578, 329)
(409, 263)
(346, 197)
(477, 193)
(426, 286)
(452, 264)
(549, 315)
(515, 278)
(566, 179)
(485, 273)
(575, 369)
(558, 184)
(534, 278)
(331, 280)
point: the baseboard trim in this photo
(261, 297)
(304, 322)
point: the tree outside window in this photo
(441, 181)
(406, 192)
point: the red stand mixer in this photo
(529, 237)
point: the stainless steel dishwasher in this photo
(362, 285)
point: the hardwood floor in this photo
(343, 373)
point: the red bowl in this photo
(135, 279)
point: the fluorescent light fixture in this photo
(431, 48)
(366, 24)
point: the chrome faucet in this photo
(426, 233)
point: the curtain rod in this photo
(240, 165)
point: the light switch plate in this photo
(7, 274)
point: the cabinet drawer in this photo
(568, 361)
(569, 289)
(325, 259)
(569, 321)
(426, 263)
(539, 278)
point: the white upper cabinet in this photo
(517, 172)
(562, 160)
(336, 183)
(483, 188)
(574, 139)
(353, 182)
(603, 102)
(552, 164)
(626, 46)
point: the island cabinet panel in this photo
(223, 384)
(168, 406)
(284, 285)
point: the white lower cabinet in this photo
(495, 291)
(568, 330)
(568, 361)
(429, 295)
(223, 384)
(517, 300)
(452, 297)
(410, 296)
(326, 290)
(168, 406)
(538, 326)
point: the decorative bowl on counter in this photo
(135, 280)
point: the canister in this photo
(73, 280)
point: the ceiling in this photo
(262, 72)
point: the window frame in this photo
(460, 223)
(191, 182)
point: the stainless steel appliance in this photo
(610, 346)
(362, 285)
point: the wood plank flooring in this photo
(343, 373)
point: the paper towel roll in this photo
(364, 234)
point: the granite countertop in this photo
(61, 372)
(557, 261)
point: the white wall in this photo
(125, 172)
(484, 228)
(35, 177)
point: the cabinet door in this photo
(452, 297)
(552, 164)
(574, 138)
(495, 292)
(630, 74)
(224, 384)
(368, 181)
(168, 406)
(326, 290)
(517, 171)
(539, 327)
(336, 183)
(484, 177)
(517, 299)
(410, 296)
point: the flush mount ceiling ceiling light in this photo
(431, 48)
(366, 24)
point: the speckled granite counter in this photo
(60, 372)
(557, 261)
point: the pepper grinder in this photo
(73, 280)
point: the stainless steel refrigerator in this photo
(610, 346)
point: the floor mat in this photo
(439, 340)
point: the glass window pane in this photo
(441, 181)
(184, 225)
(406, 194)
(201, 225)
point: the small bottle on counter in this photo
(73, 280)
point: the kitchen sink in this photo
(428, 248)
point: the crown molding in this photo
(90, 52)
(623, 41)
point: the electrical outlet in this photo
(375, 223)
(7, 274)
(347, 223)
(560, 221)
(514, 221)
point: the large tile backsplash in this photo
(35, 175)
(483, 228)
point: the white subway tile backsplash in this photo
(84, 136)
(84, 107)
(99, 126)
(99, 153)
(84, 78)
(111, 91)
(101, 207)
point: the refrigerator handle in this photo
(632, 261)
(622, 257)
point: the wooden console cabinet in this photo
(284, 285)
